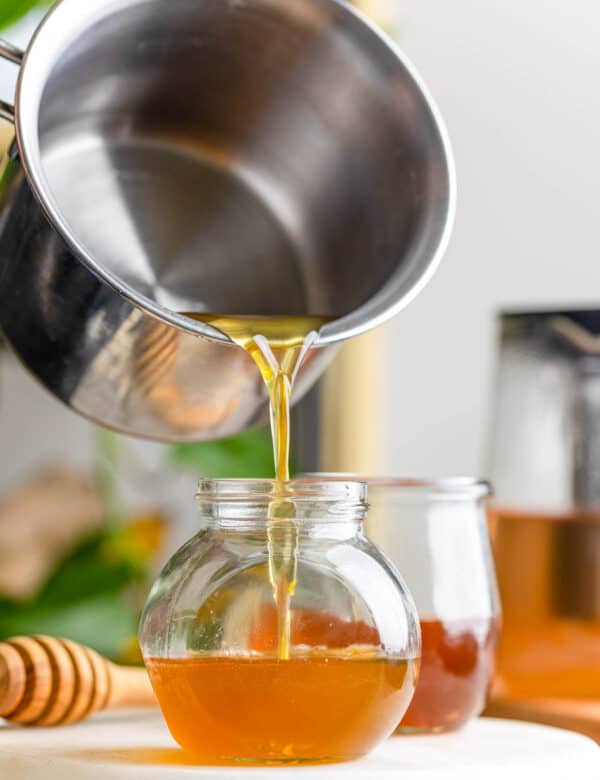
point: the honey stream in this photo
(278, 346)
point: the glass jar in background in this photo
(435, 532)
(280, 633)
(545, 519)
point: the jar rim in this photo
(306, 487)
(454, 487)
(312, 497)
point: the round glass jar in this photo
(280, 633)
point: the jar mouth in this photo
(312, 497)
(443, 487)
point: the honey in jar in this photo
(435, 531)
(264, 709)
(548, 569)
(457, 661)
(211, 637)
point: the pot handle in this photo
(12, 54)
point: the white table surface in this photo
(137, 746)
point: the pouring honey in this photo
(278, 346)
(255, 700)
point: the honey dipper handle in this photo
(130, 687)
(46, 681)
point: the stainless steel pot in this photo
(233, 156)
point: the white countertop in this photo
(137, 746)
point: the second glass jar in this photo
(436, 533)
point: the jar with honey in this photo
(280, 633)
(435, 531)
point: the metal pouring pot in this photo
(230, 156)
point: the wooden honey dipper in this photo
(48, 682)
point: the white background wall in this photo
(518, 83)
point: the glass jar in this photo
(436, 534)
(544, 458)
(280, 633)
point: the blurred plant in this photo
(248, 455)
(13, 10)
(96, 589)
(85, 598)
(76, 559)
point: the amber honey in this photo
(316, 629)
(457, 661)
(310, 708)
(278, 345)
(548, 574)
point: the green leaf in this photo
(105, 622)
(86, 599)
(89, 570)
(248, 455)
(13, 10)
